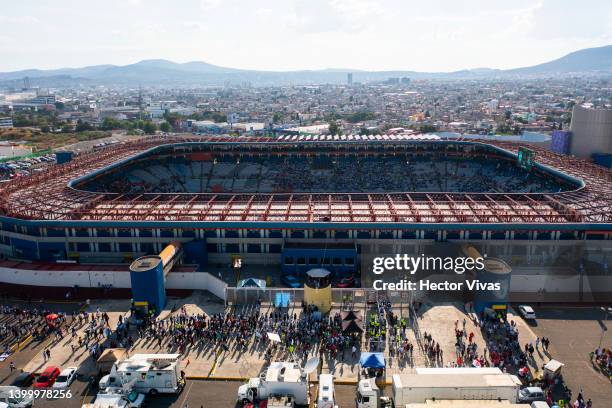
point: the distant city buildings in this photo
(43, 99)
(6, 122)
(478, 107)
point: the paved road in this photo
(573, 334)
(207, 394)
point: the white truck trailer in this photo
(327, 396)
(280, 379)
(146, 373)
(446, 385)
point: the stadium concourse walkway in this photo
(206, 361)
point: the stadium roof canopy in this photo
(45, 196)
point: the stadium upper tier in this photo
(262, 180)
(437, 169)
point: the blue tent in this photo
(372, 360)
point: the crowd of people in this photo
(238, 331)
(20, 323)
(602, 357)
(326, 173)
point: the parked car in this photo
(346, 282)
(66, 377)
(527, 312)
(291, 281)
(10, 397)
(47, 378)
(531, 394)
(24, 379)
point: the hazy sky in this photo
(425, 35)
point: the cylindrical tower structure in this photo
(148, 278)
(317, 289)
(495, 271)
(591, 131)
(148, 285)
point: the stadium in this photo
(294, 203)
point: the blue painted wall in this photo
(291, 260)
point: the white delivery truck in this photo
(418, 388)
(370, 396)
(281, 378)
(147, 373)
(326, 397)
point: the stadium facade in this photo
(300, 202)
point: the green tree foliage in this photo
(334, 128)
(428, 128)
(112, 123)
(165, 127)
(277, 117)
(149, 127)
(83, 126)
(216, 117)
(360, 117)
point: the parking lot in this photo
(196, 394)
(573, 334)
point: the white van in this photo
(14, 397)
(327, 397)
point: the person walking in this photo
(12, 366)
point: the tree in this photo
(427, 128)
(334, 128)
(360, 116)
(83, 126)
(149, 128)
(165, 127)
(111, 123)
(277, 117)
(174, 119)
(59, 105)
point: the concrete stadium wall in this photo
(568, 287)
(197, 281)
(117, 279)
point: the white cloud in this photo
(207, 5)
(434, 35)
(19, 19)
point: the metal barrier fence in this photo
(343, 296)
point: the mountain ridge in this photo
(163, 71)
